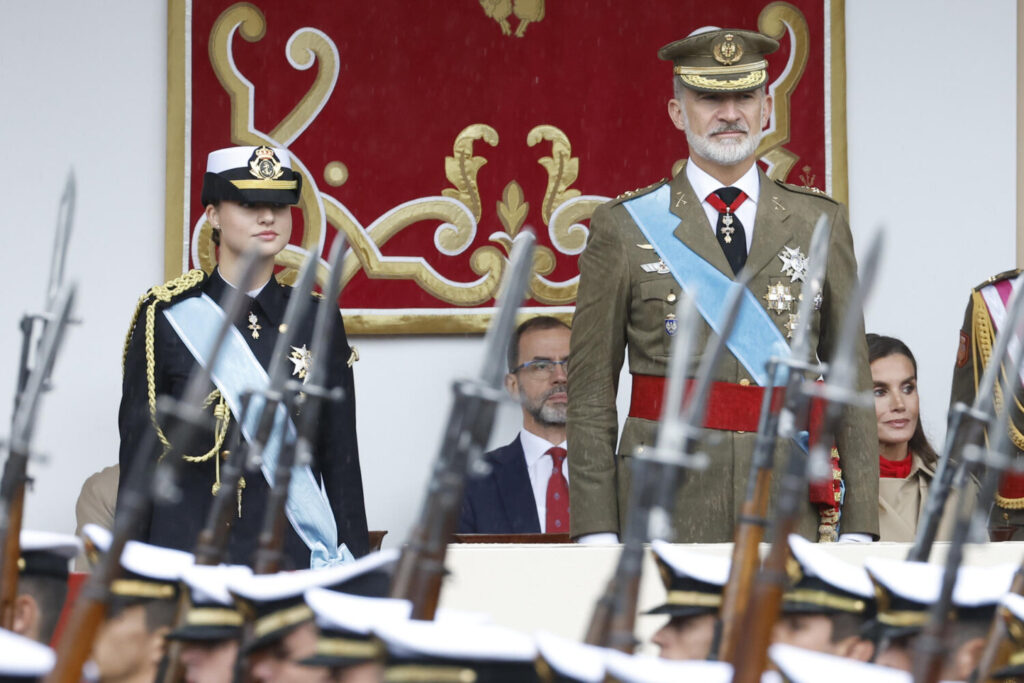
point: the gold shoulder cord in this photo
(165, 294)
(984, 335)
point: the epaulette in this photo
(810, 191)
(640, 191)
(169, 291)
(1005, 275)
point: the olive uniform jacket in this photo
(620, 306)
(336, 457)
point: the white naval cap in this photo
(817, 562)
(354, 613)
(455, 640)
(208, 584)
(22, 658)
(45, 553)
(151, 571)
(1014, 604)
(806, 666)
(570, 659)
(713, 569)
(285, 585)
(920, 582)
(647, 669)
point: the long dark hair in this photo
(880, 346)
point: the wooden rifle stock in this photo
(14, 480)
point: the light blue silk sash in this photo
(196, 320)
(755, 338)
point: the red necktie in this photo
(558, 495)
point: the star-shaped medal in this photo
(794, 263)
(778, 298)
(302, 359)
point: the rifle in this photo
(12, 485)
(310, 397)
(148, 482)
(658, 472)
(930, 648)
(15, 476)
(966, 426)
(840, 391)
(421, 566)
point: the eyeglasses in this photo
(543, 366)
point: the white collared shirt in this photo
(704, 184)
(539, 466)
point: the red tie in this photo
(558, 495)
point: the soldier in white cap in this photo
(906, 592)
(248, 193)
(130, 644)
(827, 604)
(42, 582)
(23, 660)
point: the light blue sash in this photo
(755, 338)
(196, 320)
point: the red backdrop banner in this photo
(431, 133)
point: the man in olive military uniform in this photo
(719, 213)
(985, 311)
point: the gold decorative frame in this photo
(459, 207)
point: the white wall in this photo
(932, 142)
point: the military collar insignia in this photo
(794, 263)
(728, 52)
(254, 325)
(302, 361)
(264, 164)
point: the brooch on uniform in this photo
(671, 325)
(301, 359)
(778, 298)
(791, 325)
(794, 263)
(254, 325)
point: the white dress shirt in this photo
(539, 466)
(704, 184)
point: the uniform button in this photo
(744, 382)
(558, 522)
(556, 496)
(671, 298)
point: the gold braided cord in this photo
(984, 335)
(222, 419)
(750, 81)
(1010, 503)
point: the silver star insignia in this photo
(794, 263)
(301, 359)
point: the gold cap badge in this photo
(265, 165)
(728, 52)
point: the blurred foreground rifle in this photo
(966, 426)
(753, 516)
(421, 566)
(310, 397)
(658, 473)
(15, 476)
(150, 481)
(839, 391)
(972, 516)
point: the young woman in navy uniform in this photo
(248, 193)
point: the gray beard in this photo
(723, 153)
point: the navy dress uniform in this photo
(157, 361)
(346, 626)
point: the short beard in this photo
(724, 153)
(544, 413)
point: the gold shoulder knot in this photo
(353, 357)
(629, 194)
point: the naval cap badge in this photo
(264, 164)
(728, 52)
(794, 263)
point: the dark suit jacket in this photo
(502, 501)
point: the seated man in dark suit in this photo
(525, 492)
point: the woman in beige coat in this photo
(906, 460)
